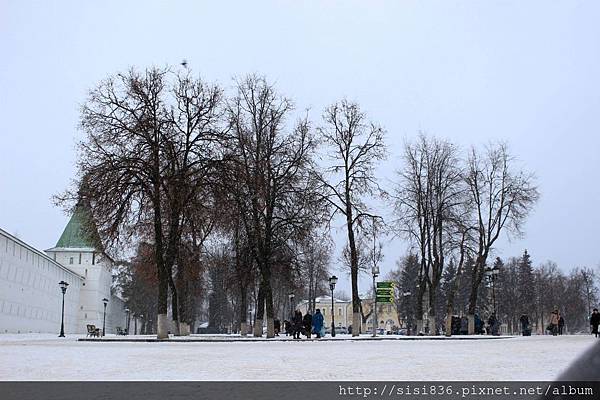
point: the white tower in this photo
(77, 251)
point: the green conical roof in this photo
(76, 233)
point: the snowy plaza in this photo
(44, 357)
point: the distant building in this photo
(386, 313)
(341, 308)
(30, 298)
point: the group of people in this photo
(309, 324)
(557, 323)
(305, 325)
(460, 325)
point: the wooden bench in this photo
(93, 331)
(121, 331)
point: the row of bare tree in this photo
(518, 289)
(171, 161)
(454, 208)
(177, 163)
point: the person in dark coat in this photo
(287, 326)
(277, 327)
(524, 320)
(595, 321)
(455, 325)
(479, 325)
(317, 321)
(297, 323)
(307, 325)
(561, 325)
(464, 325)
(494, 325)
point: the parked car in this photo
(341, 330)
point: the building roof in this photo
(76, 234)
(326, 299)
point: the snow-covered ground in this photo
(46, 357)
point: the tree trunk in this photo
(450, 303)
(419, 310)
(432, 314)
(260, 312)
(243, 309)
(174, 308)
(162, 327)
(162, 324)
(356, 314)
(476, 277)
(269, 303)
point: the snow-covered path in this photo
(45, 357)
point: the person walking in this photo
(554, 318)
(524, 320)
(317, 322)
(595, 321)
(297, 324)
(464, 325)
(307, 325)
(561, 324)
(277, 327)
(494, 325)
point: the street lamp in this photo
(408, 319)
(291, 297)
(105, 301)
(492, 274)
(63, 287)
(332, 282)
(375, 271)
(127, 321)
(250, 321)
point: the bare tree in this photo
(274, 176)
(148, 140)
(355, 145)
(429, 206)
(588, 276)
(502, 197)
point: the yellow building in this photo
(386, 313)
(387, 316)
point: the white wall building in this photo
(30, 298)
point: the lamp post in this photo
(127, 321)
(143, 327)
(291, 297)
(492, 274)
(134, 315)
(375, 271)
(250, 321)
(408, 319)
(105, 301)
(332, 282)
(63, 287)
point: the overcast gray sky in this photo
(470, 71)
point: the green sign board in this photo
(384, 299)
(385, 292)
